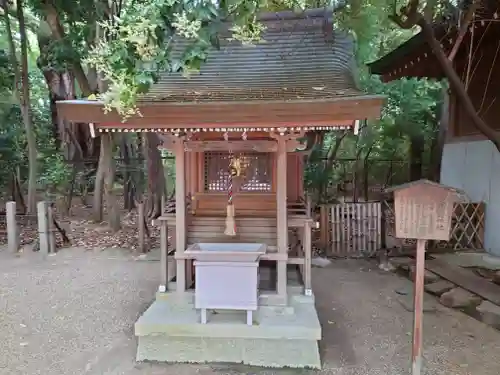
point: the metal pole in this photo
(418, 309)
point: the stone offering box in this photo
(226, 276)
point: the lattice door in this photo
(257, 171)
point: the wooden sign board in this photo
(424, 211)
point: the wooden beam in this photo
(167, 141)
(233, 114)
(248, 146)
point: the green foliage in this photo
(13, 144)
(409, 113)
(146, 33)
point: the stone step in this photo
(275, 353)
(178, 318)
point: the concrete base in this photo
(257, 352)
(171, 331)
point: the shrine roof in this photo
(459, 193)
(300, 57)
(415, 58)
(301, 60)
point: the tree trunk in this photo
(156, 176)
(22, 92)
(438, 141)
(26, 111)
(109, 181)
(54, 22)
(366, 173)
(417, 146)
(99, 183)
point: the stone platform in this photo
(170, 331)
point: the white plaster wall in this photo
(475, 168)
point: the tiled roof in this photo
(300, 57)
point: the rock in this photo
(459, 298)
(484, 273)
(402, 263)
(320, 262)
(429, 277)
(30, 247)
(386, 266)
(496, 277)
(489, 313)
(439, 287)
(407, 301)
(404, 290)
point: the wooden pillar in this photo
(163, 257)
(12, 230)
(180, 215)
(307, 258)
(282, 222)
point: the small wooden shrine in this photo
(237, 130)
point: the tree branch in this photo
(408, 16)
(456, 84)
(464, 26)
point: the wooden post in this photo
(51, 228)
(163, 257)
(12, 230)
(307, 259)
(423, 212)
(323, 219)
(140, 229)
(281, 222)
(43, 227)
(180, 215)
(418, 309)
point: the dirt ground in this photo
(73, 313)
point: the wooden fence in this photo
(467, 229)
(361, 229)
(351, 229)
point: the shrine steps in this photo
(170, 331)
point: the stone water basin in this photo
(227, 252)
(226, 276)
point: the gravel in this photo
(73, 313)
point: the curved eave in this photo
(292, 113)
(415, 58)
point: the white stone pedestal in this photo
(226, 285)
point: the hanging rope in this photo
(230, 221)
